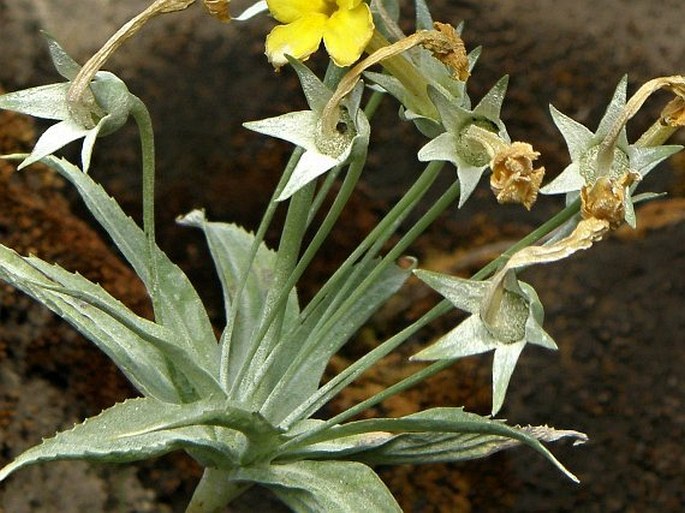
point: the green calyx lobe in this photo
(507, 323)
(473, 152)
(590, 171)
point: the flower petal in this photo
(347, 33)
(348, 4)
(299, 39)
(288, 11)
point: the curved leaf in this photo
(437, 434)
(179, 307)
(231, 246)
(141, 428)
(324, 486)
(142, 363)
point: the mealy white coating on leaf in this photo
(474, 336)
(296, 127)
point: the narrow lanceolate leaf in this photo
(97, 302)
(145, 427)
(298, 368)
(231, 246)
(324, 486)
(435, 435)
(179, 307)
(141, 362)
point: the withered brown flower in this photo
(514, 178)
(448, 48)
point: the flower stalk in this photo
(82, 103)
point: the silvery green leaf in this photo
(452, 116)
(55, 137)
(386, 14)
(424, 20)
(462, 293)
(230, 246)
(644, 159)
(142, 363)
(47, 102)
(95, 302)
(296, 375)
(442, 147)
(311, 165)
(64, 64)
(141, 428)
(180, 308)
(433, 435)
(426, 126)
(490, 105)
(295, 127)
(323, 486)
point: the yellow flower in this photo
(346, 26)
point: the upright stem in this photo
(214, 492)
(380, 234)
(78, 91)
(328, 391)
(286, 260)
(147, 143)
(264, 224)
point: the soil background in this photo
(615, 311)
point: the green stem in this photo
(552, 224)
(215, 491)
(356, 369)
(286, 259)
(328, 391)
(147, 143)
(360, 290)
(351, 180)
(269, 213)
(373, 104)
(379, 235)
(352, 372)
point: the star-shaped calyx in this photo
(506, 315)
(587, 175)
(455, 145)
(109, 110)
(327, 142)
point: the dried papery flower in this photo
(674, 113)
(514, 179)
(448, 47)
(606, 199)
(218, 9)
